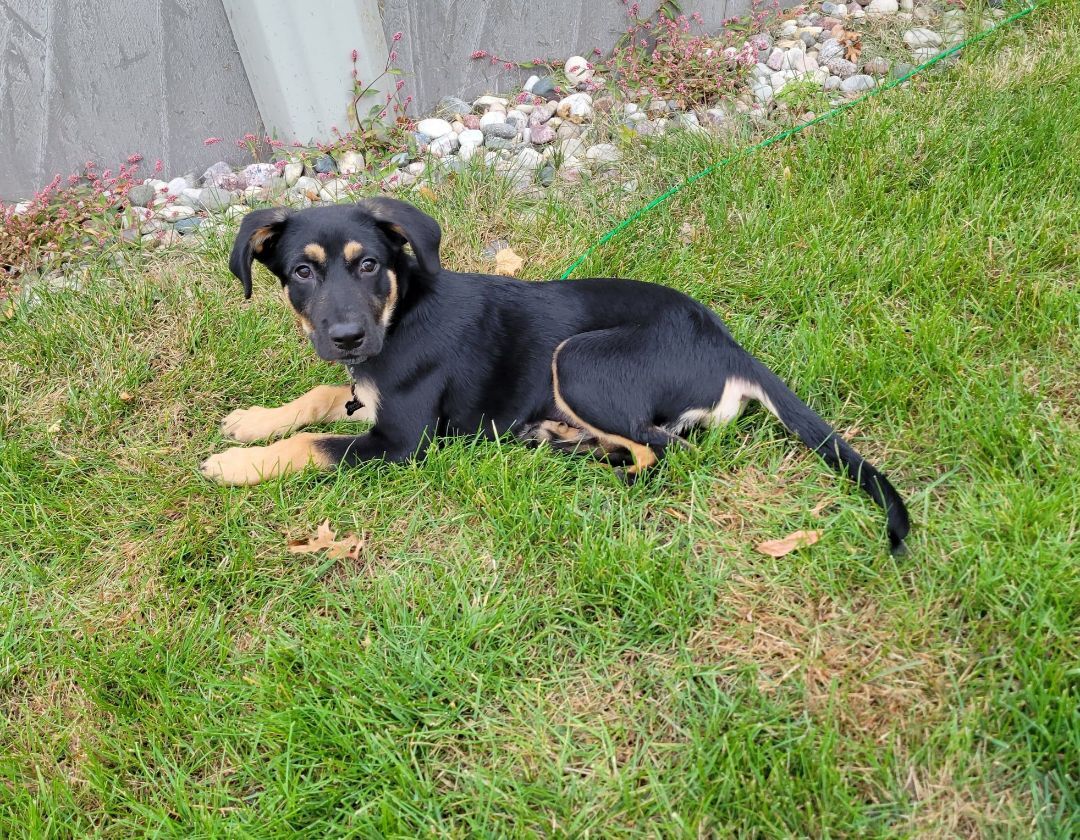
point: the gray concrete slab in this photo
(102, 79)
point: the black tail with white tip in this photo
(823, 439)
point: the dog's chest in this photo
(364, 404)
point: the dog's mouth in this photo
(350, 358)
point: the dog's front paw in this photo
(237, 466)
(252, 464)
(248, 425)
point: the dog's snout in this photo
(346, 336)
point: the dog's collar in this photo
(354, 404)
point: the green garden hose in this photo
(783, 135)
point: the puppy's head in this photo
(343, 268)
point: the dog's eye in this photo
(303, 272)
(368, 265)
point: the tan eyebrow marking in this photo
(353, 250)
(391, 300)
(315, 251)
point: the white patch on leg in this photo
(737, 393)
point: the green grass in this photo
(527, 647)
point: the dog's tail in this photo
(823, 439)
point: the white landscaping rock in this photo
(517, 119)
(921, 37)
(795, 60)
(880, 8)
(259, 174)
(577, 70)
(576, 108)
(492, 117)
(176, 186)
(445, 145)
(175, 212)
(472, 137)
(334, 190)
(528, 159)
(858, 83)
(572, 147)
(434, 127)
(349, 163)
(305, 187)
(292, 173)
(491, 102)
(606, 152)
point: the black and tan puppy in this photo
(615, 367)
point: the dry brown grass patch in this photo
(850, 662)
(750, 495)
(946, 809)
(56, 724)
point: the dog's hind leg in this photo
(322, 404)
(595, 389)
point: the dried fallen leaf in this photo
(428, 193)
(687, 233)
(126, 396)
(508, 263)
(780, 548)
(852, 43)
(326, 540)
(819, 507)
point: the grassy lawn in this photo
(526, 646)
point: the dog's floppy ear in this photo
(406, 222)
(254, 241)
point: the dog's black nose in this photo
(346, 336)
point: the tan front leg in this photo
(322, 404)
(252, 464)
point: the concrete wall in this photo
(440, 35)
(102, 79)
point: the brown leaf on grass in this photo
(428, 193)
(507, 262)
(852, 43)
(793, 541)
(326, 540)
(819, 507)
